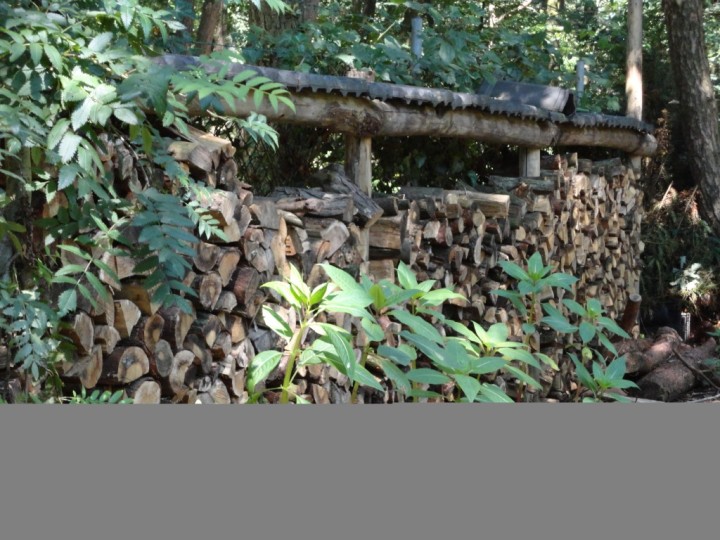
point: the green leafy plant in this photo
(332, 345)
(532, 283)
(602, 379)
(396, 338)
(96, 397)
(591, 327)
(78, 79)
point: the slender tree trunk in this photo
(210, 35)
(691, 68)
(633, 74)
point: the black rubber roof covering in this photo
(527, 101)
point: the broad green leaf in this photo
(524, 377)
(417, 393)
(547, 360)
(583, 374)
(54, 56)
(587, 331)
(283, 289)
(68, 146)
(438, 296)
(427, 376)
(494, 394)
(378, 297)
(430, 349)
(406, 277)
(276, 323)
(67, 175)
(98, 286)
(36, 53)
(318, 294)
(99, 42)
(446, 52)
(348, 284)
(616, 368)
(57, 132)
(396, 375)
(521, 355)
(611, 325)
(559, 324)
(343, 349)
(67, 302)
(575, 307)
(607, 343)
(594, 307)
(416, 324)
(486, 364)
(261, 366)
(363, 377)
(402, 296)
(70, 269)
(535, 270)
(513, 270)
(398, 355)
(469, 386)
(81, 114)
(126, 115)
(372, 329)
(563, 281)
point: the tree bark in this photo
(691, 68)
(210, 28)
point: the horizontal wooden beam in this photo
(373, 118)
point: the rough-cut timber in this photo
(401, 111)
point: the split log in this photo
(88, 369)
(206, 257)
(177, 325)
(127, 315)
(161, 359)
(81, 332)
(124, 365)
(182, 361)
(208, 288)
(136, 292)
(334, 180)
(107, 337)
(144, 391)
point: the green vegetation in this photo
(77, 75)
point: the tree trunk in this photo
(684, 21)
(633, 76)
(209, 36)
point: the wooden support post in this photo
(358, 167)
(530, 162)
(358, 161)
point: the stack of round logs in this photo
(583, 217)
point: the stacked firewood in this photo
(583, 217)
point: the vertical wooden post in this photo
(358, 167)
(633, 77)
(530, 162)
(358, 161)
(530, 167)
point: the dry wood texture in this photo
(583, 217)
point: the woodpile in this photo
(583, 217)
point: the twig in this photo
(695, 370)
(701, 400)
